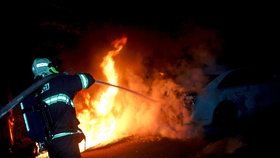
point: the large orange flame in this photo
(109, 114)
(100, 129)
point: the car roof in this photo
(245, 76)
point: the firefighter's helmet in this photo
(42, 67)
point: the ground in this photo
(253, 137)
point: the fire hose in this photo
(126, 89)
(4, 110)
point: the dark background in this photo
(45, 28)
(250, 32)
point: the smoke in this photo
(162, 66)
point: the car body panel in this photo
(248, 98)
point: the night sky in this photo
(248, 33)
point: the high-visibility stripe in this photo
(64, 134)
(24, 117)
(54, 70)
(84, 80)
(59, 98)
(42, 64)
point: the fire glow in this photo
(109, 114)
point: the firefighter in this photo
(53, 110)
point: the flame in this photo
(109, 114)
(11, 127)
(101, 128)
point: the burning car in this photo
(234, 95)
